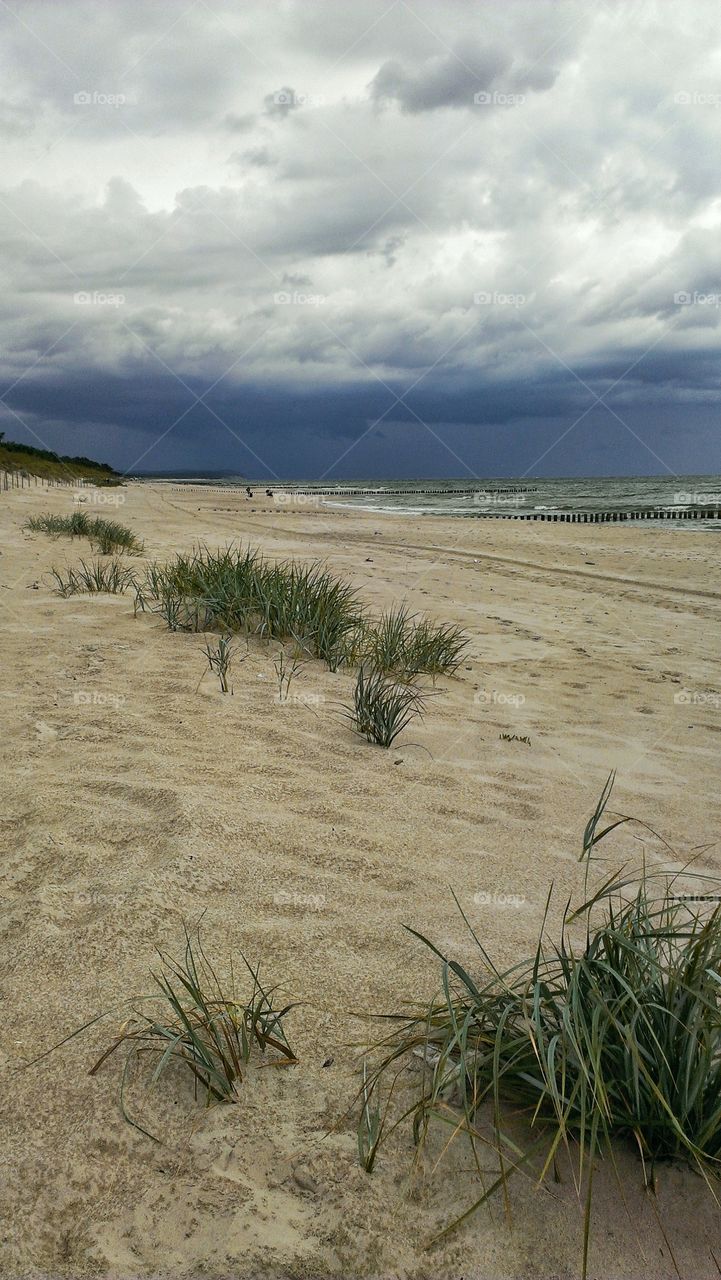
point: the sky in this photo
(324, 239)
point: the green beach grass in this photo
(236, 591)
(194, 1021)
(107, 536)
(382, 708)
(616, 1038)
(405, 645)
(94, 578)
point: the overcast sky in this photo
(351, 239)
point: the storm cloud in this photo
(430, 237)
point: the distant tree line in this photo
(53, 457)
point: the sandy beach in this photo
(135, 798)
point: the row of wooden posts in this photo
(397, 493)
(600, 517)
(570, 517)
(23, 480)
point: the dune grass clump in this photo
(109, 537)
(220, 657)
(112, 538)
(617, 1038)
(202, 590)
(325, 617)
(76, 525)
(236, 590)
(94, 578)
(192, 1021)
(388, 642)
(404, 645)
(437, 648)
(382, 708)
(286, 669)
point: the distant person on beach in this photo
(269, 493)
(249, 491)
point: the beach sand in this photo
(132, 801)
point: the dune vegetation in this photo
(108, 537)
(46, 465)
(611, 1034)
(235, 590)
(193, 1020)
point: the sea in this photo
(472, 499)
